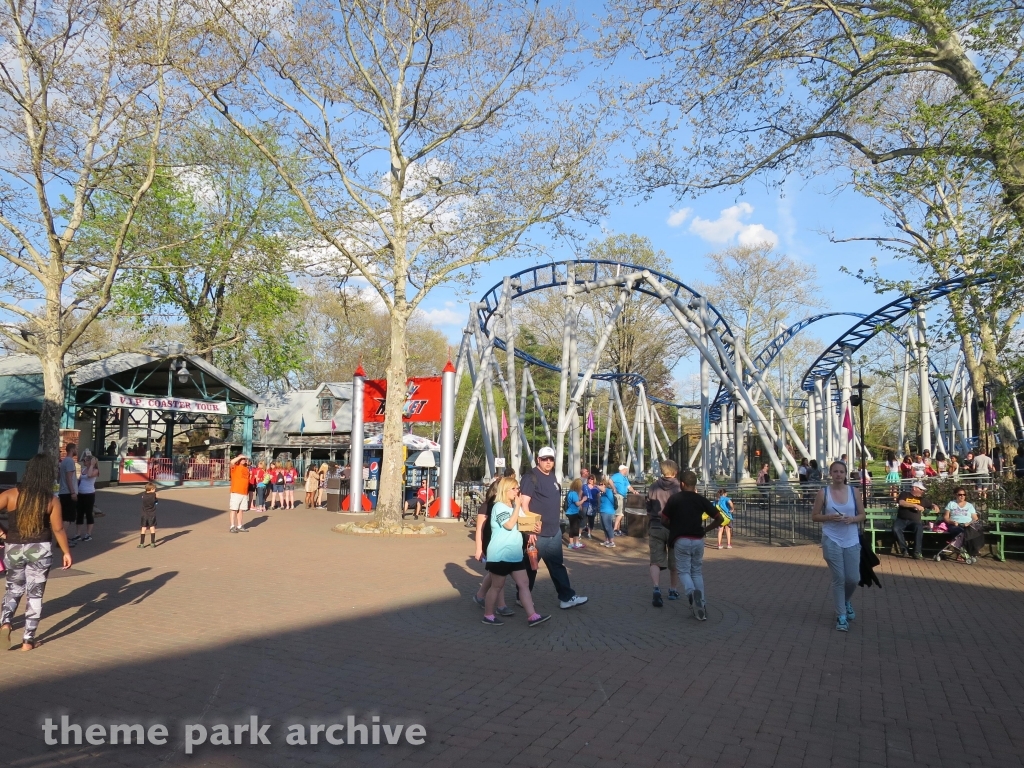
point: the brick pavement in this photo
(298, 624)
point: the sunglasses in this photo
(547, 458)
(961, 494)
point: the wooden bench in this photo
(998, 520)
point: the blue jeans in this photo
(549, 548)
(689, 564)
(844, 563)
(898, 527)
(608, 523)
(261, 495)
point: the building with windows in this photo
(306, 425)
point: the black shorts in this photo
(68, 508)
(502, 568)
(86, 502)
(148, 521)
(574, 526)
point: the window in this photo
(326, 408)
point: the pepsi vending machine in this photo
(371, 472)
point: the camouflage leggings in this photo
(27, 567)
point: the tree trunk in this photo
(389, 501)
(999, 124)
(52, 360)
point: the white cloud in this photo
(755, 234)
(677, 218)
(450, 314)
(730, 225)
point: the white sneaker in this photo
(572, 602)
(699, 607)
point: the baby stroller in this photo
(965, 546)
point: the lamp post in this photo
(857, 401)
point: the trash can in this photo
(333, 494)
(636, 515)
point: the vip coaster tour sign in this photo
(168, 404)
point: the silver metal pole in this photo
(355, 483)
(446, 473)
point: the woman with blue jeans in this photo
(838, 508)
(607, 508)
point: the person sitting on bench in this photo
(908, 515)
(961, 517)
(422, 499)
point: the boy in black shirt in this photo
(683, 514)
(911, 504)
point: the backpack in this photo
(279, 480)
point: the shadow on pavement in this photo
(615, 682)
(98, 598)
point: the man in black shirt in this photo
(683, 513)
(911, 504)
(540, 493)
(1018, 461)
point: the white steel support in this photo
(705, 423)
(517, 430)
(846, 436)
(821, 438)
(626, 433)
(536, 402)
(608, 435)
(563, 377)
(925, 390)
(904, 393)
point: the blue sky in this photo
(799, 215)
(796, 215)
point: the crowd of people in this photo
(261, 487)
(518, 526)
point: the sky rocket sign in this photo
(422, 399)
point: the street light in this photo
(857, 401)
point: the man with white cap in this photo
(911, 504)
(540, 493)
(622, 487)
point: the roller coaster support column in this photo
(903, 398)
(925, 390)
(608, 433)
(515, 451)
(563, 376)
(846, 436)
(786, 426)
(625, 434)
(705, 423)
(821, 440)
(830, 423)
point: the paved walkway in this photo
(297, 624)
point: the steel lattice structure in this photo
(729, 415)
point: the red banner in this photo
(422, 399)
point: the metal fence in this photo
(780, 515)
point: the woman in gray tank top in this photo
(839, 510)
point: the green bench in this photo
(878, 522)
(999, 520)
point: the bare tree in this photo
(428, 132)
(757, 290)
(747, 86)
(83, 97)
